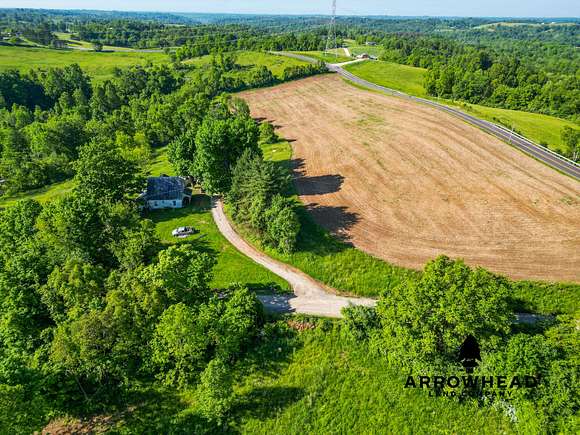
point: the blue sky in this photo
(512, 8)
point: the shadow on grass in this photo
(155, 411)
(268, 358)
(266, 402)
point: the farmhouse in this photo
(363, 56)
(166, 192)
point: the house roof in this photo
(164, 188)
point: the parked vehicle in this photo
(183, 232)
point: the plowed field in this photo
(406, 182)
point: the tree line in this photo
(480, 75)
(47, 116)
(222, 154)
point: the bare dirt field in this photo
(405, 182)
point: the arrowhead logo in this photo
(469, 353)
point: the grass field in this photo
(232, 267)
(41, 195)
(320, 382)
(85, 44)
(99, 66)
(325, 57)
(542, 129)
(250, 59)
(392, 75)
(356, 49)
(159, 165)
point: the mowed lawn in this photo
(232, 266)
(99, 66)
(250, 59)
(542, 129)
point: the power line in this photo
(331, 38)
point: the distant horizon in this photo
(173, 12)
(378, 8)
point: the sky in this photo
(473, 8)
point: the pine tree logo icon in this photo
(469, 353)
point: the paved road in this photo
(540, 153)
(310, 296)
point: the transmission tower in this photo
(331, 38)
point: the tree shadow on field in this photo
(319, 185)
(313, 185)
(337, 220)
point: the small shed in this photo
(166, 192)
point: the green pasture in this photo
(318, 381)
(250, 59)
(99, 66)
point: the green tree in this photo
(215, 392)
(97, 46)
(283, 224)
(267, 133)
(87, 228)
(104, 174)
(179, 346)
(138, 245)
(254, 184)
(219, 144)
(424, 322)
(72, 289)
(182, 273)
(181, 152)
(571, 137)
(238, 325)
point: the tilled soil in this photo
(406, 182)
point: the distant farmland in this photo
(99, 66)
(406, 183)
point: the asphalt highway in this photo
(532, 149)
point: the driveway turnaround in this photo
(310, 296)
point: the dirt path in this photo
(310, 296)
(407, 182)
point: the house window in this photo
(174, 203)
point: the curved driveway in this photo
(310, 296)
